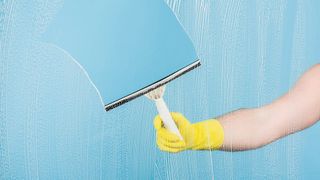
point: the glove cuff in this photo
(217, 134)
(210, 135)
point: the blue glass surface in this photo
(124, 45)
(52, 125)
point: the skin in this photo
(298, 109)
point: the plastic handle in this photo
(166, 117)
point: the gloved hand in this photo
(204, 135)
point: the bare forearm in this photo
(298, 109)
(243, 129)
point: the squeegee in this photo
(127, 47)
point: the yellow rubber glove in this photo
(205, 135)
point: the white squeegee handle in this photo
(166, 117)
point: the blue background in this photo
(123, 45)
(52, 125)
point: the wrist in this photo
(209, 135)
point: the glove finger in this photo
(167, 135)
(165, 148)
(178, 144)
(180, 120)
(157, 122)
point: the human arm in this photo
(296, 110)
(252, 128)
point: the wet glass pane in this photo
(52, 124)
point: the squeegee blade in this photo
(153, 86)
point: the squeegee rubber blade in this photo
(153, 86)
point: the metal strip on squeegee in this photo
(153, 86)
